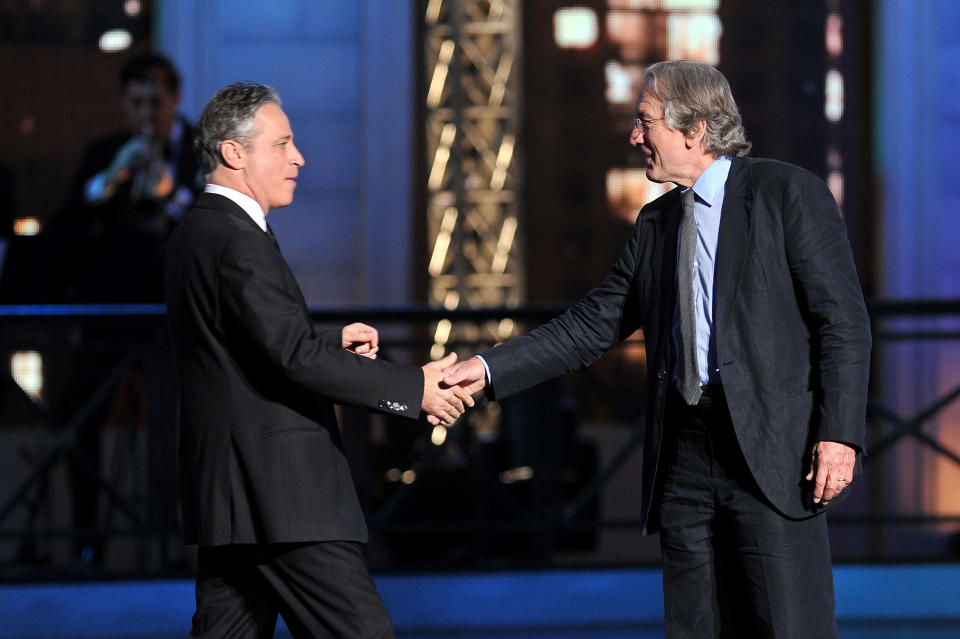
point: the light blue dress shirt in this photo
(709, 190)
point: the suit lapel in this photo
(733, 244)
(218, 202)
(665, 269)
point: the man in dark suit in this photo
(145, 177)
(265, 487)
(758, 344)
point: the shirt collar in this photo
(245, 202)
(709, 186)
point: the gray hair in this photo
(692, 91)
(229, 115)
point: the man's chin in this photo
(282, 204)
(653, 177)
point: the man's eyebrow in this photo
(285, 138)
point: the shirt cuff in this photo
(486, 368)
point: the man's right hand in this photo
(443, 403)
(470, 375)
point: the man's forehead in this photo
(270, 117)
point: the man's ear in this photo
(233, 154)
(695, 135)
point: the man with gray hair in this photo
(265, 488)
(758, 346)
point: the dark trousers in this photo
(321, 589)
(732, 565)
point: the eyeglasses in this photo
(644, 125)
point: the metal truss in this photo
(471, 50)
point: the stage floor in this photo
(878, 630)
(873, 602)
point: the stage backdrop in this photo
(345, 71)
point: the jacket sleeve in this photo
(587, 330)
(264, 311)
(821, 264)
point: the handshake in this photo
(448, 387)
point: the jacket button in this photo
(661, 374)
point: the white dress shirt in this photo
(245, 202)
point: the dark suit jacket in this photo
(792, 331)
(261, 458)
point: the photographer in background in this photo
(144, 178)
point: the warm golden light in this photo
(628, 189)
(499, 177)
(505, 328)
(26, 226)
(442, 244)
(439, 435)
(504, 244)
(452, 300)
(440, 74)
(441, 157)
(26, 368)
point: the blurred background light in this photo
(834, 35)
(694, 36)
(622, 81)
(26, 226)
(833, 96)
(26, 368)
(132, 8)
(575, 27)
(115, 40)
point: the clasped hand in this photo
(457, 383)
(442, 402)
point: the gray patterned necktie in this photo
(688, 376)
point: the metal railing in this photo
(532, 486)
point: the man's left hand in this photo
(360, 339)
(831, 470)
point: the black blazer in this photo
(792, 331)
(261, 458)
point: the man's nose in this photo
(636, 136)
(297, 159)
